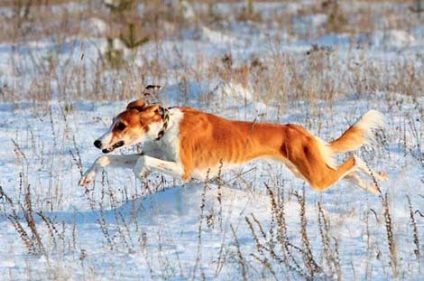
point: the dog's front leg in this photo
(146, 163)
(118, 161)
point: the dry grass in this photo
(280, 78)
(276, 77)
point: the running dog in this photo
(188, 143)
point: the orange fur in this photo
(206, 140)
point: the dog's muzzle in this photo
(98, 144)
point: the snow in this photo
(96, 27)
(121, 228)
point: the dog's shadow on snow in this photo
(177, 202)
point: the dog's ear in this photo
(153, 111)
(153, 87)
(138, 105)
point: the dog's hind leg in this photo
(324, 177)
(355, 179)
(362, 166)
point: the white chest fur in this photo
(169, 144)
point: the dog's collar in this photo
(165, 118)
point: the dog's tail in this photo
(358, 134)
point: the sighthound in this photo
(188, 143)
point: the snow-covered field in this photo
(57, 96)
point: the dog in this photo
(190, 144)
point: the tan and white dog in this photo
(188, 143)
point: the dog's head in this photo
(139, 122)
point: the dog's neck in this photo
(169, 143)
(165, 118)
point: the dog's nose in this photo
(97, 143)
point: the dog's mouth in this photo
(113, 147)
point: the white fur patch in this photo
(213, 172)
(372, 120)
(170, 142)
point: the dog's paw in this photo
(87, 178)
(141, 174)
(383, 175)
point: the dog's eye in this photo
(121, 126)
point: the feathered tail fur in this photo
(358, 134)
